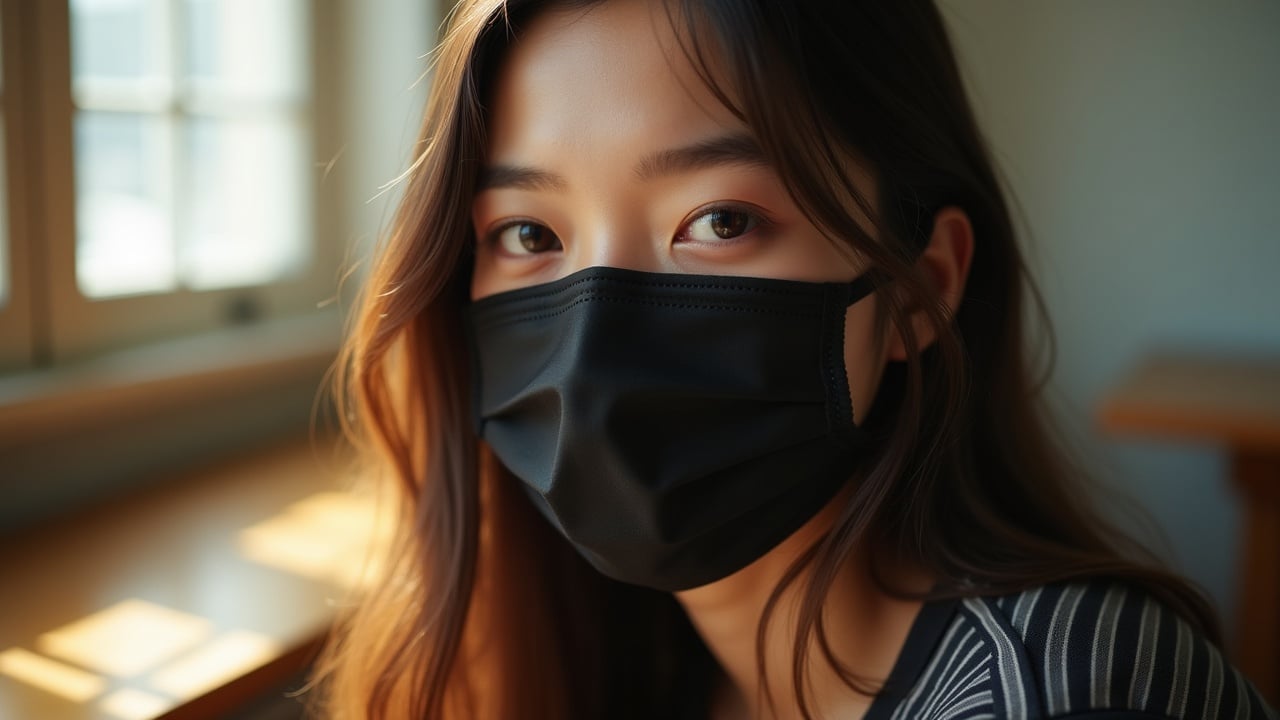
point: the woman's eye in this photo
(525, 238)
(718, 225)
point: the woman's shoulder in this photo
(1090, 646)
(1096, 649)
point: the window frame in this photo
(76, 326)
(17, 344)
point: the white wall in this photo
(1142, 138)
(386, 43)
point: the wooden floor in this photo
(186, 601)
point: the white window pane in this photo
(124, 243)
(252, 49)
(169, 196)
(117, 39)
(246, 183)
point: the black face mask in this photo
(673, 427)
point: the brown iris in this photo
(536, 238)
(728, 223)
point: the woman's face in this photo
(606, 149)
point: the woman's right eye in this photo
(525, 238)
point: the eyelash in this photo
(492, 240)
(758, 221)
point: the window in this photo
(171, 147)
(175, 167)
(192, 144)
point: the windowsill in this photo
(41, 400)
(81, 432)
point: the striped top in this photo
(1074, 650)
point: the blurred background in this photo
(184, 182)
(1142, 141)
(183, 185)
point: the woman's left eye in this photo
(718, 225)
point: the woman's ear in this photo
(944, 264)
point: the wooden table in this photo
(185, 601)
(1235, 404)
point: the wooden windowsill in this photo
(168, 373)
(188, 600)
(79, 433)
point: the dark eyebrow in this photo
(735, 149)
(519, 178)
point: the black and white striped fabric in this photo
(1079, 650)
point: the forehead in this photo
(609, 77)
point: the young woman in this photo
(696, 353)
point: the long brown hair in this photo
(485, 612)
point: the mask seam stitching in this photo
(839, 404)
(540, 314)
(688, 286)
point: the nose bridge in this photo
(616, 240)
